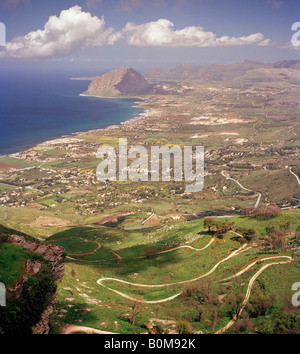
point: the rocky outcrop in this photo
(122, 81)
(42, 327)
(54, 256)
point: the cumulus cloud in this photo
(161, 33)
(63, 35)
(75, 29)
(265, 43)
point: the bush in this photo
(184, 327)
(22, 313)
(264, 211)
(3, 238)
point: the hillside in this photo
(29, 270)
(159, 268)
(215, 72)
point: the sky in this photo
(147, 33)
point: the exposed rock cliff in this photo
(54, 255)
(33, 296)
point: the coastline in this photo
(63, 139)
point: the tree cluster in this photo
(219, 226)
(264, 211)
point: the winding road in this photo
(243, 248)
(100, 281)
(250, 285)
(224, 174)
(297, 178)
(74, 328)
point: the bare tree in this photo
(200, 296)
(136, 307)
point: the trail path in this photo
(250, 285)
(69, 329)
(101, 280)
(74, 328)
(297, 178)
(224, 174)
(190, 247)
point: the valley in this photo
(150, 257)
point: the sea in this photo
(41, 103)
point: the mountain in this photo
(268, 75)
(126, 81)
(215, 72)
(122, 81)
(288, 64)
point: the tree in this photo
(220, 226)
(214, 318)
(200, 296)
(244, 324)
(209, 223)
(248, 233)
(234, 299)
(270, 229)
(287, 226)
(136, 307)
(265, 211)
(276, 240)
(148, 252)
(260, 303)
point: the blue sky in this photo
(144, 33)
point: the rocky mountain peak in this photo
(122, 81)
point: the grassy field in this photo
(12, 262)
(121, 256)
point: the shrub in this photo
(184, 327)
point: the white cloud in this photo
(75, 29)
(288, 45)
(264, 43)
(161, 33)
(63, 35)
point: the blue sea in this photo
(39, 104)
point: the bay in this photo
(37, 105)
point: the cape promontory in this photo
(119, 82)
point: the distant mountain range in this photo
(126, 81)
(215, 72)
